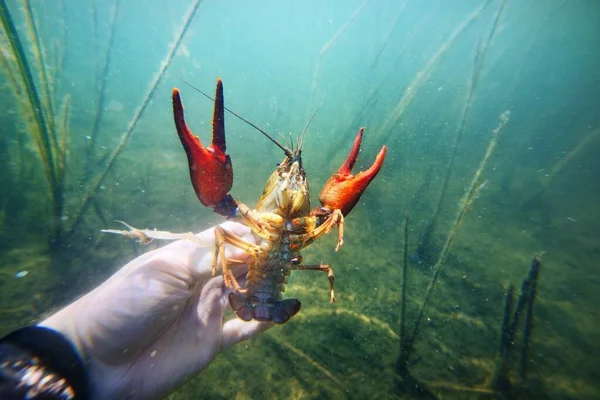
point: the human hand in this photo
(157, 321)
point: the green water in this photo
(402, 69)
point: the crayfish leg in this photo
(324, 268)
(336, 218)
(265, 224)
(223, 237)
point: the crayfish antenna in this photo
(287, 151)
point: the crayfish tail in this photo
(278, 312)
(241, 306)
(285, 309)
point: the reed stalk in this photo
(388, 34)
(532, 278)
(94, 19)
(525, 297)
(63, 133)
(61, 45)
(583, 144)
(102, 81)
(99, 178)
(365, 115)
(38, 53)
(537, 198)
(455, 388)
(414, 86)
(472, 85)
(327, 47)
(465, 205)
(312, 362)
(499, 380)
(6, 66)
(403, 288)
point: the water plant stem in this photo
(499, 380)
(583, 144)
(464, 204)
(280, 340)
(38, 53)
(102, 80)
(414, 86)
(328, 46)
(174, 46)
(472, 85)
(388, 35)
(61, 45)
(532, 278)
(403, 288)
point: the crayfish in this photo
(282, 220)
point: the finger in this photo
(236, 331)
(213, 302)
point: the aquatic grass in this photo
(61, 46)
(6, 66)
(38, 53)
(90, 194)
(63, 130)
(39, 116)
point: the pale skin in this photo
(158, 321)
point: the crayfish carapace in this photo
(282, 217)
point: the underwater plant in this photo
(33, 89)
(32, 85)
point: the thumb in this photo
(236, 331)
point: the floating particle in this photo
(115, 106)
(21, 274)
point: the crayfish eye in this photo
(296, 260)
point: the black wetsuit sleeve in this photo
(40, 364)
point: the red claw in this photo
(343, 190)
(210, 167)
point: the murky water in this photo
(429, 79)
